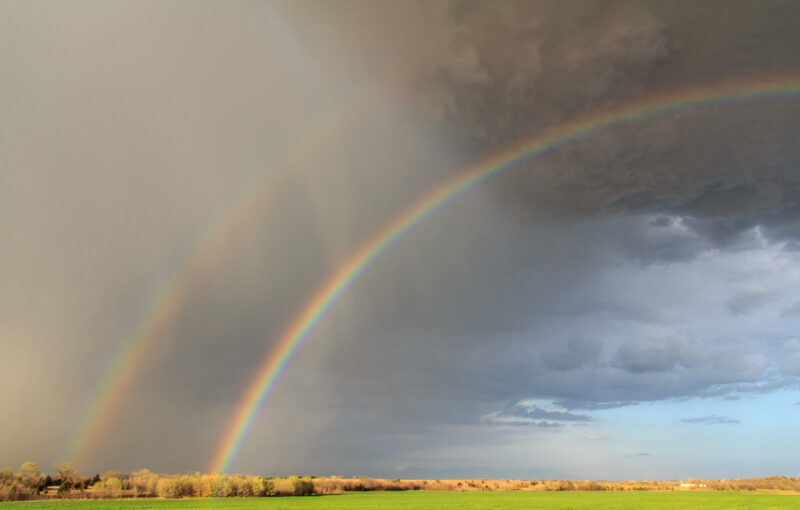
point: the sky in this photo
(623, 306)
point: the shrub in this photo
(199, 486)
(303, 487)
(171, 488)
(284, 487)
(64, 490)
(108, 488)
(223, 488)
(261, 487)
(143, 483)
(242, 486)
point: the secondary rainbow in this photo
(301, 326)
(171, 295)
(329, 127)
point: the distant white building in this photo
(691, 485)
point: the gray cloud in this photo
(570, 355)
(652, 355)
(792, 311)
(500, 418)
(730, 168)
(509, 69)
(747, 302)
(534, 410)
(712, 419)
(597, 437)
(790, 357)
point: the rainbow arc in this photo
(343, 277)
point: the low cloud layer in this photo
(528, 412)
(711, 419)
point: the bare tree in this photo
(30, 475)
(68, 474)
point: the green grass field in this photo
(423, 500)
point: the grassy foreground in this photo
(430, 500)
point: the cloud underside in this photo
(531, 413)
(712, 419)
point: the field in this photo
(430, 500)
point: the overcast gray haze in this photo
(625, 306)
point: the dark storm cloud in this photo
(712, 419)
(511, 69)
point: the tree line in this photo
(30, 483)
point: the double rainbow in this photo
(325, 131)
(172, 294)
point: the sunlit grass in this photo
(430, 500)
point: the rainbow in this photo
(230, 218)
(321, 302)
(171, 295)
